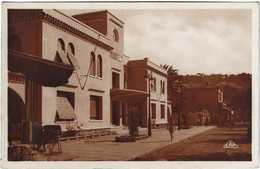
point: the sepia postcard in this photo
(129, 85)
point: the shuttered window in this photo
(92, 64)
(95, 108)
(162, 111)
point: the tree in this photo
(242, 101)
(172, 77)
(175, 92)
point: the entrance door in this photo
(16, 114)
(116, 113)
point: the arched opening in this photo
(71, 55)
(71, 49)
(92, 64)
(99, 66)
(16, 115)
(14, 42)
(61, 44)
(60, 54)
(116, 36)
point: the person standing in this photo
(206, 121)
(171, 127)
(198, 123)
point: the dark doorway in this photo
(116, 113)
(115, 80)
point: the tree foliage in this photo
(173, 85)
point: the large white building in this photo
(72, 69)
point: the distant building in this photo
(64, 70)
(204, 97)
(159, 107)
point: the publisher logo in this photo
(230, 144)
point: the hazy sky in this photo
(193, 41)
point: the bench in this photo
(50, 139)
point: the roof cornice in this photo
(42, 16)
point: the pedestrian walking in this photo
(198, 123)
(171, 127)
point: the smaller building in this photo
(160, 108)
(204, 97)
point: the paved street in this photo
(106, 149)
(207, 146)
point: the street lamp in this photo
(178, 86)
(149, 77)
(179, 107)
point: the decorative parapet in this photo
(42, 16)
(16, 78)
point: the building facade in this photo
(75, 72)
(204, 97)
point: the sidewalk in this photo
(106, 149)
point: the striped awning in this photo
(65, 109)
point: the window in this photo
(71, 55)
(61, 44)
(162, 83)
(162, 111)
(153, 84)
(162, 86)
(115, 36)
(115, 80)
(71, 49)
(153, 110)
(65, 106)
(99, 66)
(95, 107)
(60, 54)
(92, 64)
